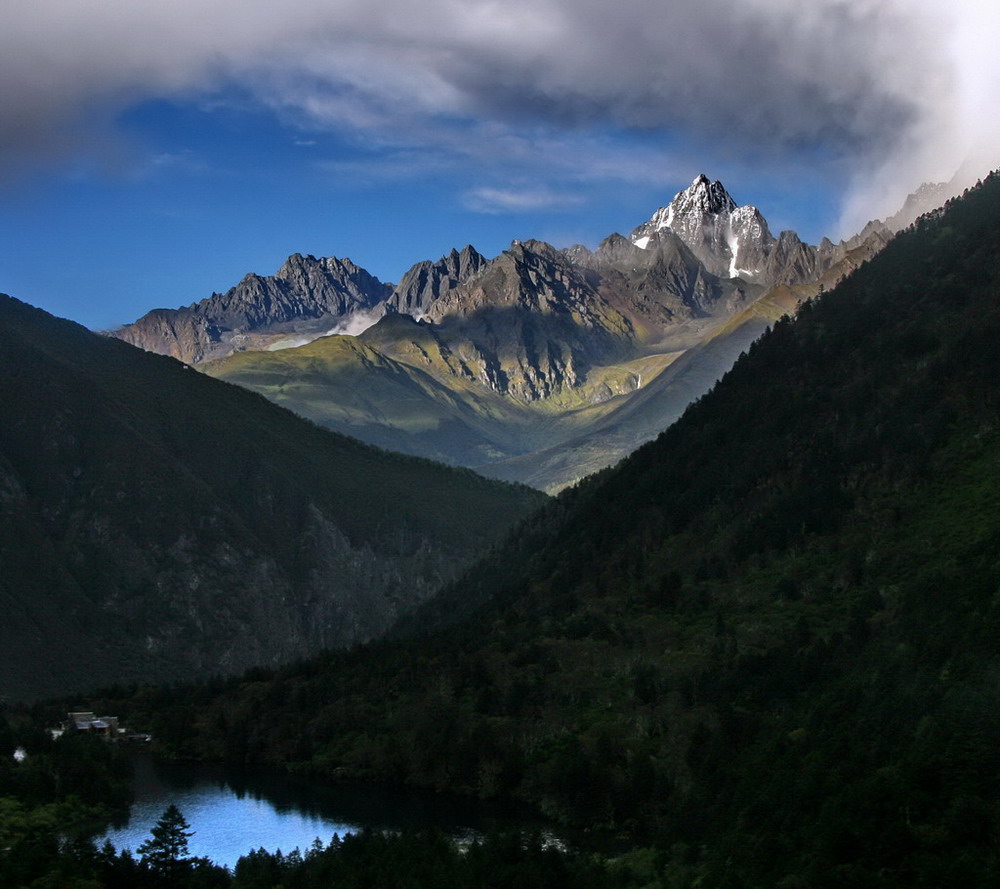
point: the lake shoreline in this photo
(233, 810)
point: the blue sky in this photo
(153, 153)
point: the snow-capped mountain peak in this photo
(705, 196)
(730, 240)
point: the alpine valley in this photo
(540, 365)
(761, 651)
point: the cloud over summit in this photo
(896, 91)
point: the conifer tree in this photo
(168, 843)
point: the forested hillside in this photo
(156, 524)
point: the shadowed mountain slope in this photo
(668, 386)
(158, 524)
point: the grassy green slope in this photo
(346, 385)
(769, 639)
(157, 522)
(636, 419)
(398, 388)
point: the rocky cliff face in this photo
(426, 281)
(533, 322)
(526, 325)
(735, 242)
(306, 297)
(730, 241)
(662, 283)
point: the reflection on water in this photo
(233, 811)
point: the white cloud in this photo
(898, 90)
(356, 323)
(955, 128)
(185, 160)
(517, 200)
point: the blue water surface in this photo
(232, 812)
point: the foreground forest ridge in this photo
(762, 650)
(158, 525)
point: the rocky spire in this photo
(426, 281)
(731, 241)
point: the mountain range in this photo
(540, 365)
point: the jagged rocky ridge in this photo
(735, 242)
(540, 348)
(426, 281)
(304, 298)
(690, 250)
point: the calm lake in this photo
(232, 811)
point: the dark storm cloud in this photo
(776, 74)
